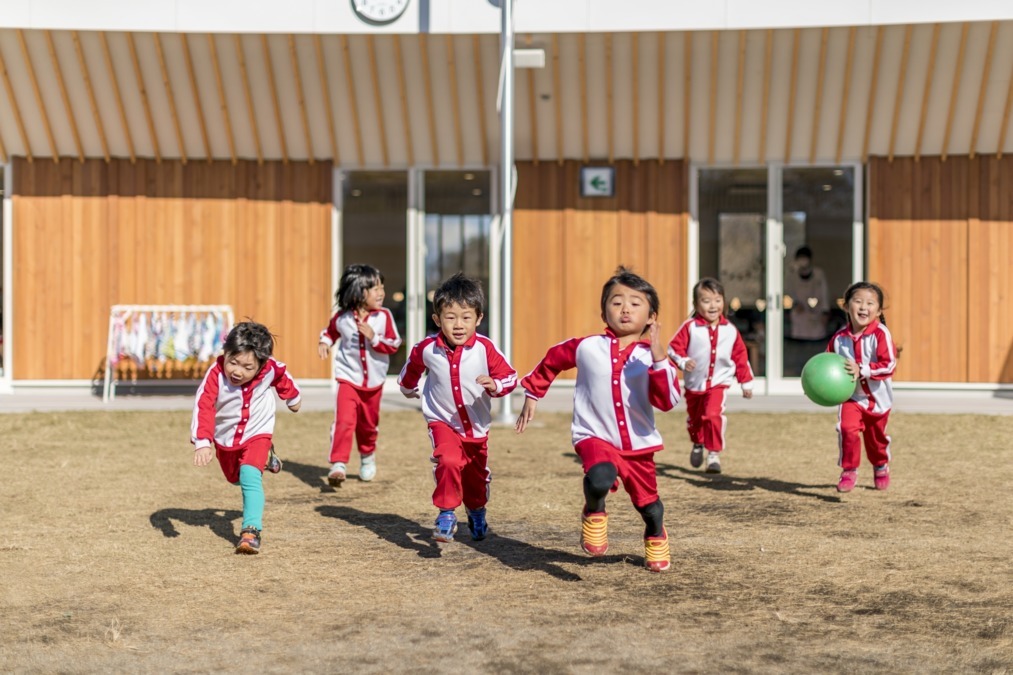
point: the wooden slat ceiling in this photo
(395, 101)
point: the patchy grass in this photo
(117, 556)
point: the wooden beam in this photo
(1004, 123)
(557, 98)
(241, 55)
(434, 140)
(265, 48)
(582, 76)
(687, 86)
(635, 38)
(406, 118)
(768, 57)
(846, 90)
(476, 48)
(872, 92)
(195, 92)
(662, 39)
(740, 80)
(16, 109)
(144, 96)
(929, 73)
(172, 99)
(455, 105)
(712, 126)
(222, 100)
(958, 71)
(609, 101)
(325, 89)
(352, 101)
(532, 107)
(119, 97)
(792, 89)
(3, 150)
(818, 107)
(899, 95)
(983, 87)
(63, 94)
(38, 96)
(297, 74)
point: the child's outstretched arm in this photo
(743, 371)
(412, 371)
(288, 390)
(536, 383)
(527, 414)
(202, 425)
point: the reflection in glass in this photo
(457, 226)
(374, 217)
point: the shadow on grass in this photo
(219, 520)
(313, 475)
(513, 553)
(727, 483)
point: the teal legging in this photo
(251, 481)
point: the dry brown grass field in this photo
(117, 556)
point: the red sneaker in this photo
(656, 555)
(594, 535)
(881, 477)
(847, 481)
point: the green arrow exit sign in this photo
(597, 181)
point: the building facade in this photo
(239, 155)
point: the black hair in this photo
(707, 284)
(460, 290)
(804, 251)
(867, 286)
(250, 336)
(627, 278)
(355, 281)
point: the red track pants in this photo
(461, 469)
(855, 423)
(357, 413)
(705, 419)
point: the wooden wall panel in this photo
(566, 247)
(939, 241)
(87, 236)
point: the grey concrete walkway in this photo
(320, 398)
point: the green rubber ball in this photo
(825, 381)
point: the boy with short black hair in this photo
(465, 371)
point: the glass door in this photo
(785, 242)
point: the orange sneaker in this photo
(656, 554)
(249, 541)
(594, 534)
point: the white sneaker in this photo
(367, 470)
(336, 476)
(713, 463)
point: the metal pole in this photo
(506, 177)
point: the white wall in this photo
(478, 16)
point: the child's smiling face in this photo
(372, 299)
(863, 309)
(457, 323)
(709, 305)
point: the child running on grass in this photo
(711, 353)
(871, 357)
(234, 413)
(622, 375)
(363, 335)
(466, 371)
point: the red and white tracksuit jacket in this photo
(616, 390)
(450, 394)
(874, 352)
(358, 362)
(229, 416)
(719, 352)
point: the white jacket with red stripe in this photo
(874, 352)
(229, 416)
(450, 394)
(359, 362)
(719, 352)
(616, 390)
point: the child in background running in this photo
(234, 413)
(622, 375)
(466, 371)
(711, 353)
(871, 357)
(363, 335)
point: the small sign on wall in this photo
(597, 181)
